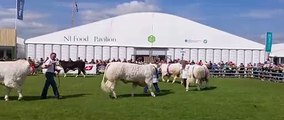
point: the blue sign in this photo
(20, 9)
(268, 42)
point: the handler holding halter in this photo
(50, 73)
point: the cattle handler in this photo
(50, 74)
(155, 83)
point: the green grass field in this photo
(227, 99)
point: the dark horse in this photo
(72, 65)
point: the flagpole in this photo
(16, 16)
(16, 36)
(73, 13)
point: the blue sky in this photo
(250, 19)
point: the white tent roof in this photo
(277, 50)
(135, 28)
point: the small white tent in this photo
(277, 53)
(277, 50)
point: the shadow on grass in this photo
(205, 89)
(171, 82)
(34, 98)
(161, 93)
(74, 76)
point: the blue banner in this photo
(20, 9)
(268, 42)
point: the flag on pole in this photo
(76, 6)
(20, 9)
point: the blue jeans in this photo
(49, 81)
(157, 89)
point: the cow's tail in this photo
(105, 85)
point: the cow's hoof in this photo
(6, 98)
(76, 75)
(186, 90)
(20, 98)
(153, 94)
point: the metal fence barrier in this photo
(268, 74)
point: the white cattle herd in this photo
(142, 75)
(13, 74)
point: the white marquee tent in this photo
(126, 36)
(277, 52)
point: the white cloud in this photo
(134, 6)
(7, 12)
(263, 14)
(103, 12)
(31, 26)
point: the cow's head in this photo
(34, 62)
(207, 65)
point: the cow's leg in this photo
(8, 90)
(114, 94)
(19, 90)
(150, 86)
(84, 73)
(112, 89)
(133, 88)
(65, 71)
(79, 71)
(198, 83)
(174, 80)
(181, 82)
(204, 83)
(163, 78)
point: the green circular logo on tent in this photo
(151, 39)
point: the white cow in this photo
(127, 72)
(198, 75)
(172, 69)
(13, 74)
